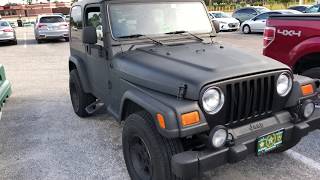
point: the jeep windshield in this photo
(158, 19)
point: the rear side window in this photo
(4, 24)
(76, 18)
(51, 19)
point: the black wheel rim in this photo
(74, 96)
(140, 158)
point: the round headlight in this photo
(212, 100)
(218, 137)
(284, 84)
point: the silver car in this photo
(7, 33)
(258, 23)
(51, 27)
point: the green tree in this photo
(285, 2)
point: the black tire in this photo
(244, 30)
(39, 41)
(80, 100)
(147, 154)
(313, 73)
(14, 42)
(66, 39)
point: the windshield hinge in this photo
(182, 91)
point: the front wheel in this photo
(246, 29)
(80, 100)
(147, 154)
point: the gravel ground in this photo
(41, 137)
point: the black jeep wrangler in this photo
(188, 104)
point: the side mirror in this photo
(89, 35)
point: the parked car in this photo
(301, 8)
(51, 27)
(188, 104)
(226, 22)
(313, 9)
(5, 88)
(246, 13)
(295, 40)
(7, 33)
(258, 23)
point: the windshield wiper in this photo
(187, 32)
(141, 35)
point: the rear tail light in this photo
(42, 26)
(268, 36)
(64, 26)
(7, 30)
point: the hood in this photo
(166, 68)
(228, 20)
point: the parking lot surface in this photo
(41, 137)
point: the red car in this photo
(294, 40)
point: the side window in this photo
(251, 11)
(313, 9)
(93, 18)
(76, 18)
(241, 11)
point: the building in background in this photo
(34, 9)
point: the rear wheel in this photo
(246, 29)
(80, 100)
(66, 39)
(147, 154)
(14, 42)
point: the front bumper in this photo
(191, 163)
(227, 27)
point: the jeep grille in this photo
(249, 99)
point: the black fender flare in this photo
(153, 106)
(171, 111)
(82, 72)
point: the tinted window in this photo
(241, 11)
(313, 9)
(51, 19)
(4, 24)
(93, 18)
(76, 18)
(263, 16)
(251, 11)
(247, 11)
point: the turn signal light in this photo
(190, 118)
(307, 89)
(161, 121)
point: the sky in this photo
(3, 2)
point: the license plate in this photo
(269, 142)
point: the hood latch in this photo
(182, 91)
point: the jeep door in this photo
(97, 64)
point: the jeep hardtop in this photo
(188, 104)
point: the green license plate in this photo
(269, 142)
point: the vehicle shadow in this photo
(3, 44)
